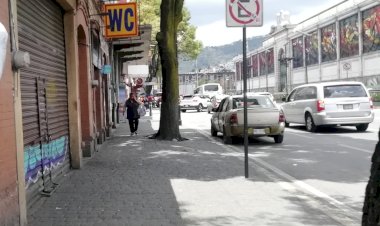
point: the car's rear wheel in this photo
(183, 110)
(278, 138)
(309, 122)
(200, 108)
(214, 133)
(362, 127)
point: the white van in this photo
(329, 104)
(209, 89)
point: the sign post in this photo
(244, 13)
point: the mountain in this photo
(213, 56)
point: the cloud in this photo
(217, 33)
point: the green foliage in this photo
(375, 96)
(188, 46)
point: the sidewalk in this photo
(133, 180)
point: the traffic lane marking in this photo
(355, 148)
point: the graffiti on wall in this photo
(50, 156)
(371, 29)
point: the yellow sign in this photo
(121, 20)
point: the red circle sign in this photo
(251, 16)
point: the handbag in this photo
(141, 110)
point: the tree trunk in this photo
(371, 208)
(171, 16)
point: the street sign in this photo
(121, 20)
(247, 13)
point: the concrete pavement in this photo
(133, 180)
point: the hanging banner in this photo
(3, 47)
(121, 20)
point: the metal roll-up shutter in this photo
(43, 88)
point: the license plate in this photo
(348, 106)
(259, 131)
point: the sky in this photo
(209, 16)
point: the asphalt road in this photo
(332, 164)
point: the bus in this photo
(209, 89)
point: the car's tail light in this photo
(320, 105)
(281, 117)
(234, 119)
(371, 102)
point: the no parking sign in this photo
(247, 13)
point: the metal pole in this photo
(304, 55)
(196, 70)
(245, 103)
(266, 69)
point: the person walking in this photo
(132, 105)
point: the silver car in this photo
(264, 118)
(329, 104)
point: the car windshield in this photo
(341, 91)
(252, 102)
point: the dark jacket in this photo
(132, 106)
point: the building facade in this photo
(339, 43)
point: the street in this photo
(329, 169)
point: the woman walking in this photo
(132, 105)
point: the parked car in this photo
(264, 118)
(214, 102)
(194, 102)
(329, 104)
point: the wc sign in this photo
(121, 20)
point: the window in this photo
(252, 102)
(292, 94)
(297, 45)
(371, 32)
(328, 43)
(342, 91)
(211, 88)
(349, 36)
(225, 105)
(306, 93)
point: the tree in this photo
(371, 208)
(171, 16)
(175, 35)
(188, 46)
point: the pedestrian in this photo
(132, 105)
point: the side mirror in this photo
(284, 99)
(214, 109)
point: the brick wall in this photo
(9, 210)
